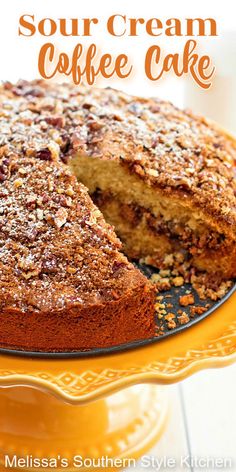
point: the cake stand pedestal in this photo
(104, 407)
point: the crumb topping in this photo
(186, 300)
(168, 148)
(54, 241)
(50, 232)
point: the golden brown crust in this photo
(74, 328)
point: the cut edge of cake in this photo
(157, 223)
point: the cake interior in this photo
(150, 224)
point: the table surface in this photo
(202, 420)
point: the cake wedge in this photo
(64, 284)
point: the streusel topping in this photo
(49, 229)
(56, 251)
(167, 147)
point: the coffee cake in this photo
(163, 177)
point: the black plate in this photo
(171, 295)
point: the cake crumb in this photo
(169, 305)
(178, 281)
(186, 300)
(197, 310)
(183, 318)
(171, 324)
(18, 183)
(60, 217)
(169, 316)
(163, 284)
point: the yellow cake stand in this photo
(109, 406)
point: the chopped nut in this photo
(61, 217)
(31, 198)
(169, 260)
(169, 316)
(197, 310)
(178, 281)
(164, 272)
(183, 318)
(160, 309)
(155, 278)
(169, 305)
(68, 201)
(33, 273)
(71, 270)
(49, 264)
(69, 191)
(164, 284)
(171, 324)
(152, 172)
(58, 121)
(186, 300)
(60, 190)
(49, 218)
(159, 305)
(43, 154)
(18, 183)
(54, 148)
(39, 201)
(22, 171)
(179, 256)
(50, 185)
(40, 214)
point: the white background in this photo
(19, 55)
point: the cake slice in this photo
(163, 177)
(64, 284)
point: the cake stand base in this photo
(123, 425)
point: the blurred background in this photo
(203, 407)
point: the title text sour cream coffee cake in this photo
(162, 177)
